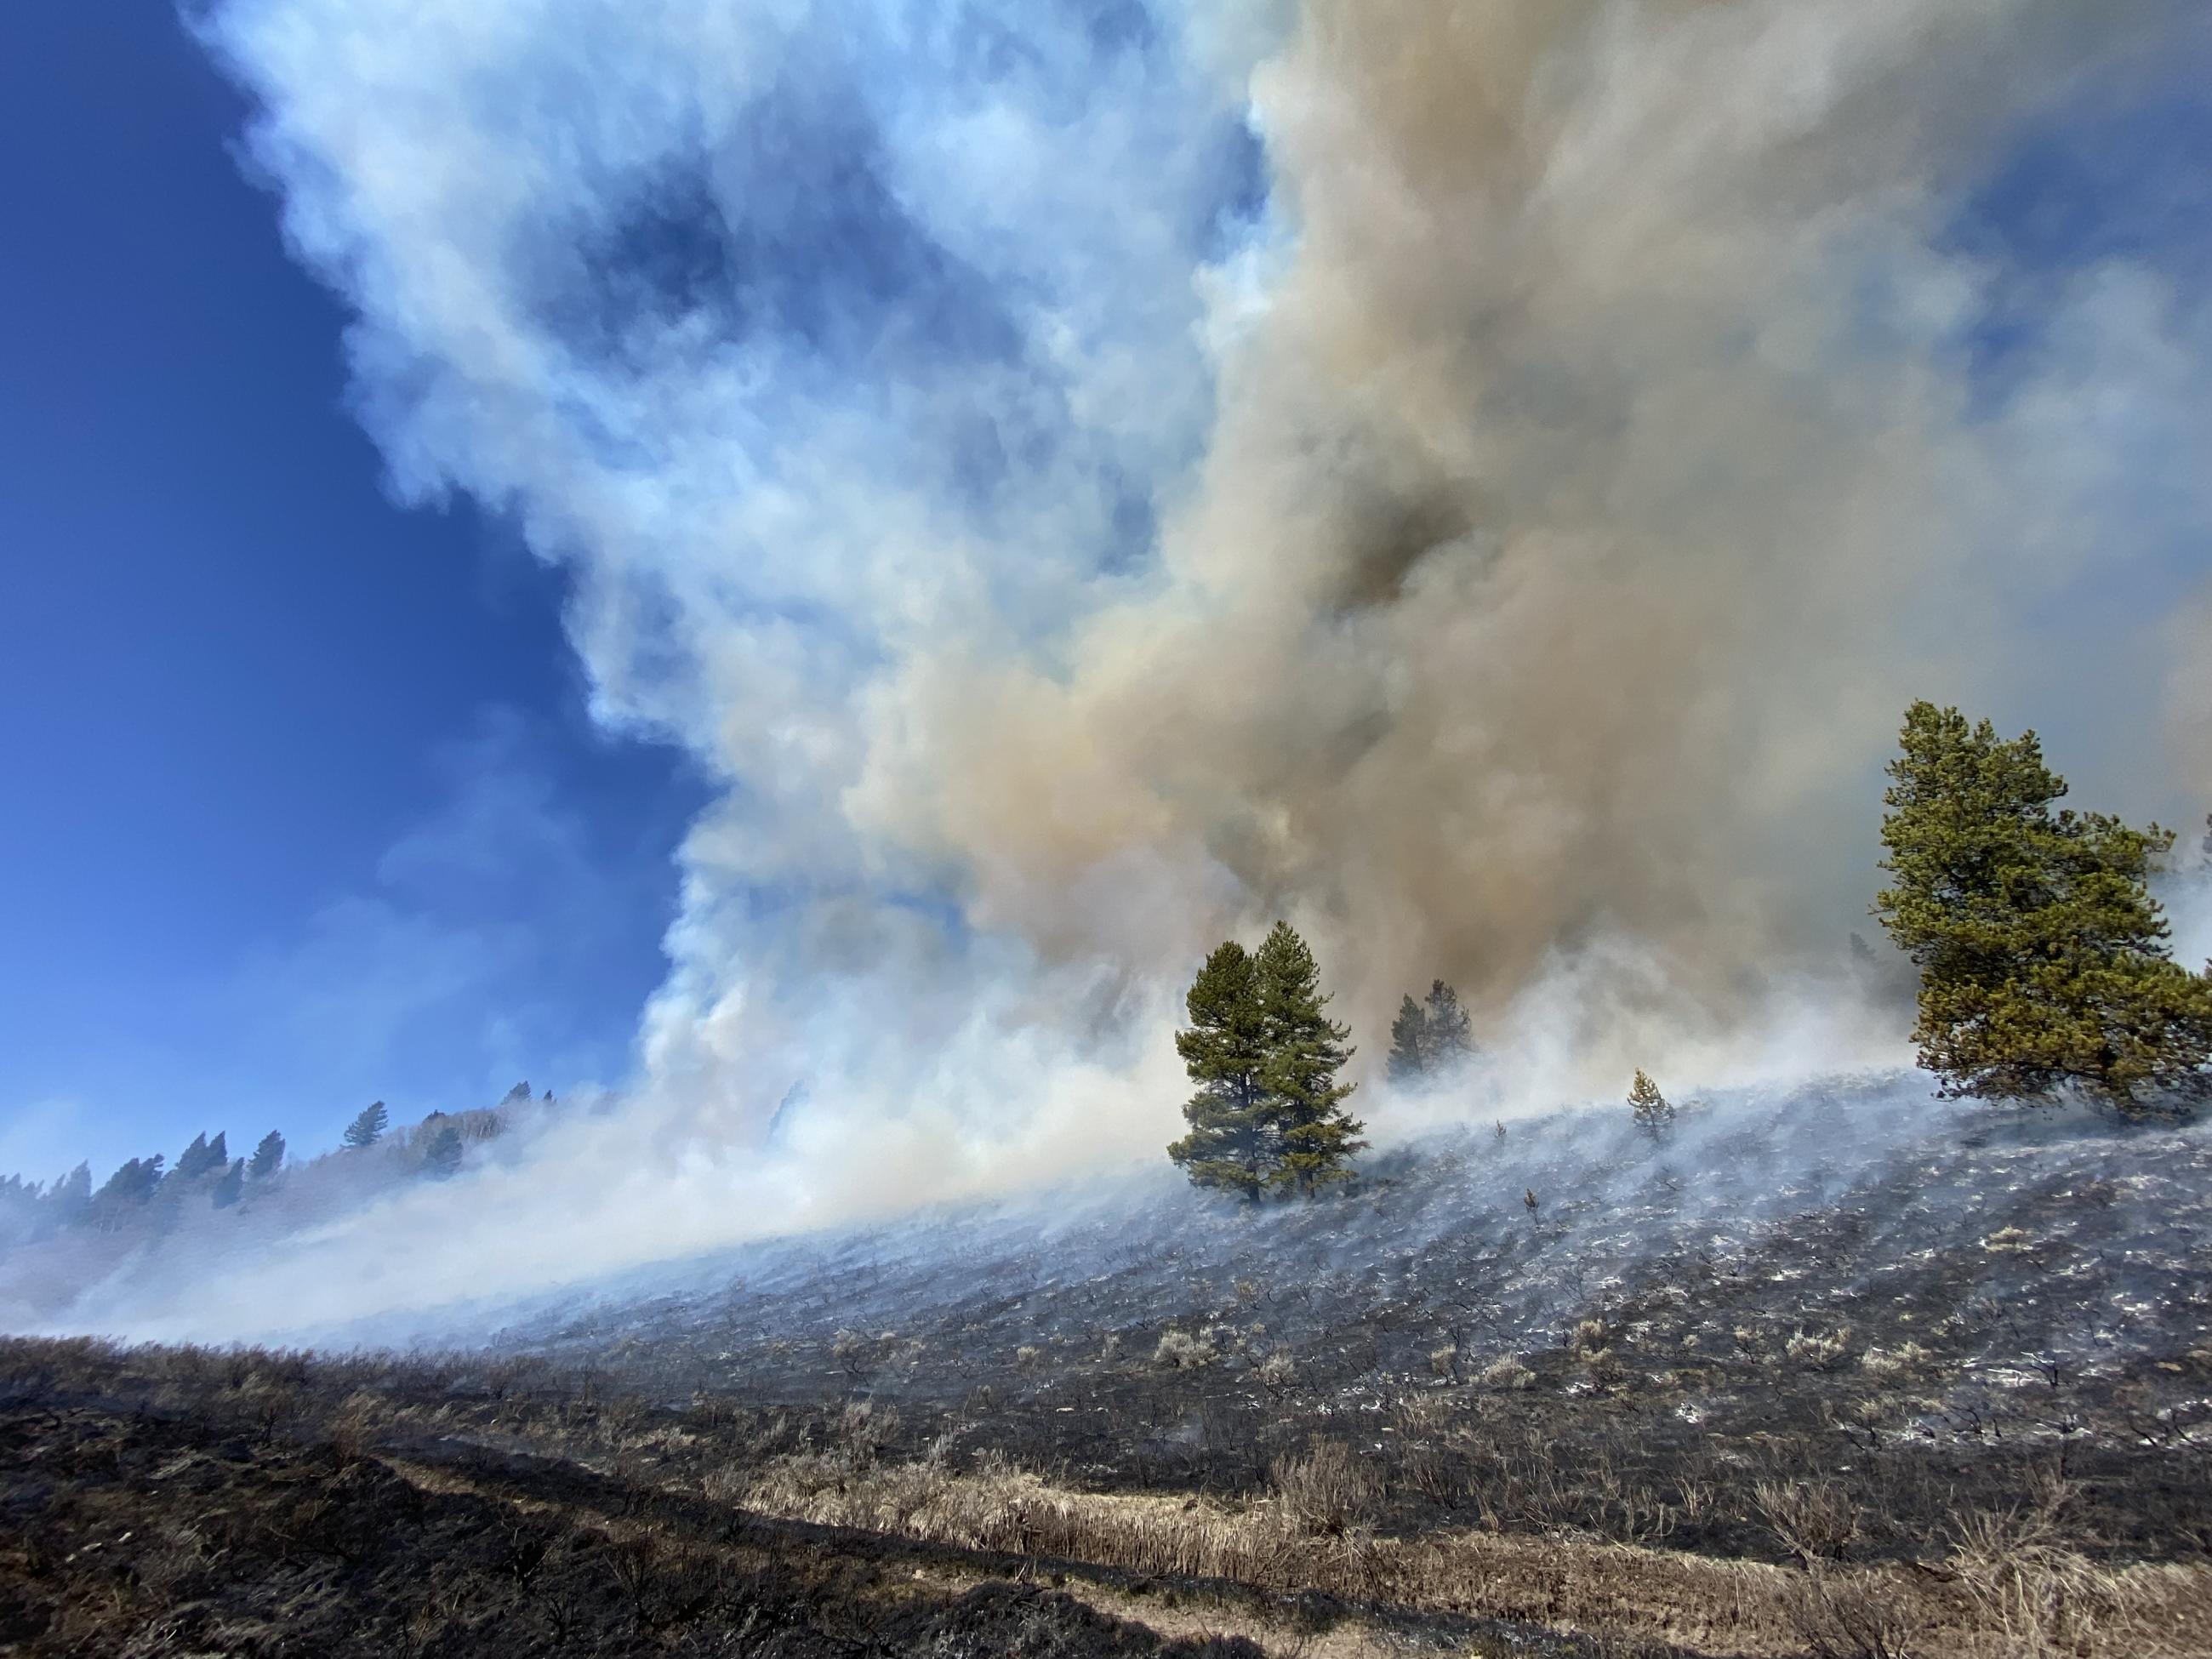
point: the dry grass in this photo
(1181, 1351)
(1905, 1360)
(2041, 1599)
(1328, 1493)
(1821, 1349)
(2002, 1594)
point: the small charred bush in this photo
(1844, 1620)
(1813, 1520)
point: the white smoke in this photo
(1494, 516)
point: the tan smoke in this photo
(1595, 485)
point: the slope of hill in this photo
(1850, 1274)
(1838, 1369)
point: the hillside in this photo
(1849, 1281)
(1841, 1370)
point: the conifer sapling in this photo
(1654, 1115)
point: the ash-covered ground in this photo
(1853, 1283)
(1841, 1370)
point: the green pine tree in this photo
(1232, 1143)
(1451, 1032)
(1305, 1049)
(67, 1197)
(1408, 1062)
(130, 1186)
(267, 1156)
(2043, 958)
(197, 1159)
(367, 1127)
(1428, 1040)
(1654, 1116)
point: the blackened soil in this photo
(130, 1532)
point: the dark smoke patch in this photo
(786, 239)
(1389, 540)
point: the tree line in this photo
(205, 1172)
(2044, 971)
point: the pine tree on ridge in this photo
(267, 1156)
(1305, 1050)
(367, 1128)
(1231, 1145)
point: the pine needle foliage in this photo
(1408, 1061)
(2044, 961)
(441, 1156)
(267, 1156)
(1451, 1033)
(200, 1158)
(1430, 1039)
(1232, 1143)
(367, 1126)
(232, 1186)
(1305, 1050)
(1267, 1116)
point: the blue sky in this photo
(302, 804)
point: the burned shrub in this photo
(863, 1432)
(1813, 1520)
(1846, 1620)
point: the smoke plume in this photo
(1604, 464)
(1481, 479)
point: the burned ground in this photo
(1847, 1371)
(1906, 1305)
(182, 1501)
(205, 1526)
